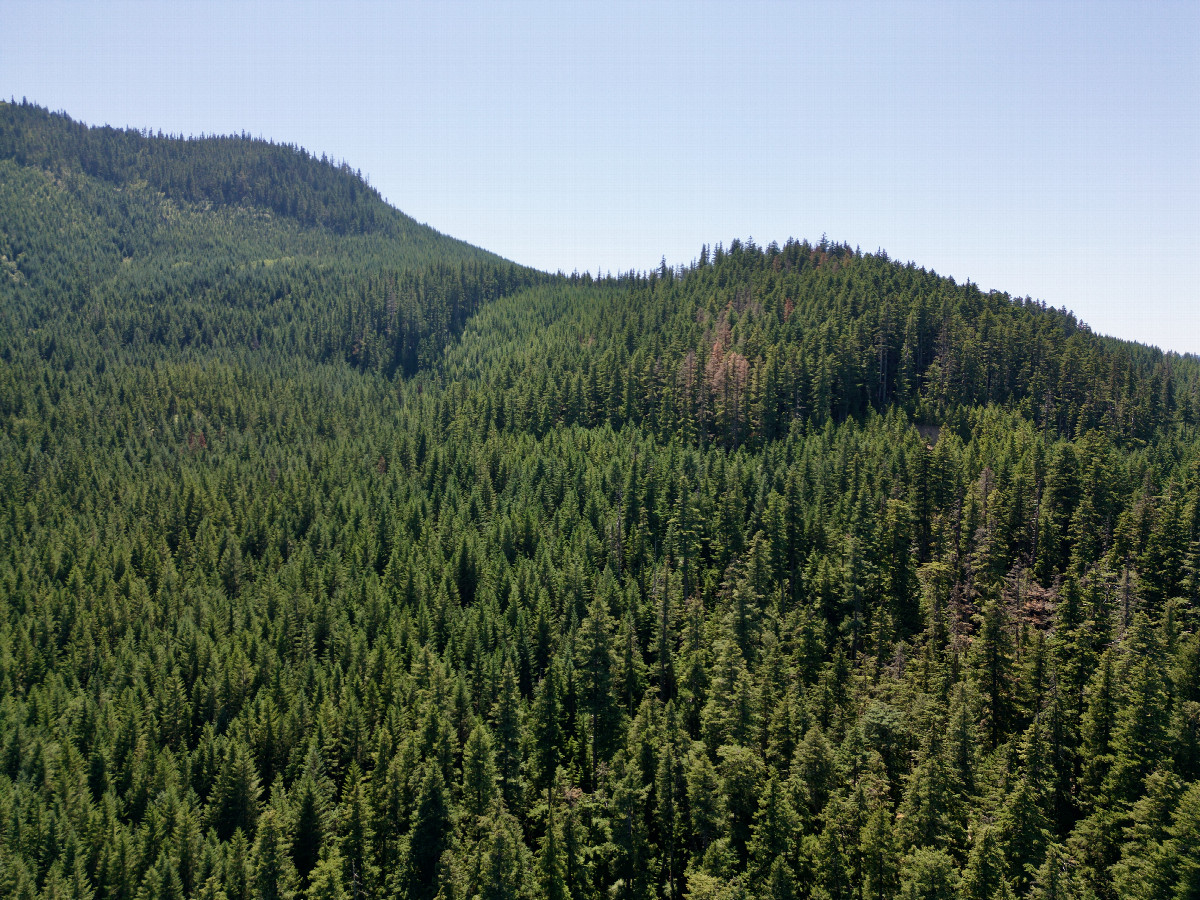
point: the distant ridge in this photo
(226, 170)
(222, 242)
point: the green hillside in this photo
(116, 242)
(340, 559)
(222, 171)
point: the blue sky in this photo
(1044, 149)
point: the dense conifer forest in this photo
(340, 559)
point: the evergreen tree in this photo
(931, 810)
(505, 868)
(992, 655)
(1023, 835)
(705, 806)
(983, 878)
(1180, 867)
(429, 835)
(632, 871)
(1139, 727)
(670, 792)
(1052, 882)
(506, 727)
(551, 868)
(358, 839)
(774, 829)
(274, 874)
(310, 829)
(1097, 729)
(549, 736)
(741, 775)
(781, 883)
(327, 882)
(235, 798)
(878, 850)
(596, 666)
(928, 874)
(479, 774)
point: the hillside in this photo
(219, 170)
(341, 559)
(110, 239)
(738, 347)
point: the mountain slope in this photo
(105, 245)
(220, 170)
(338, 559)
(742, 345)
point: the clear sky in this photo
(1048, 149)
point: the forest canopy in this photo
(341, 559)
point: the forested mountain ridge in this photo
(114, 239)
(334, 564)
(740, 345)
(224, 170)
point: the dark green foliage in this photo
(274, 874)
(235, 798)
(430, 835)
(339, 559)
(929, 875)
(232, 170)
(983, 878)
